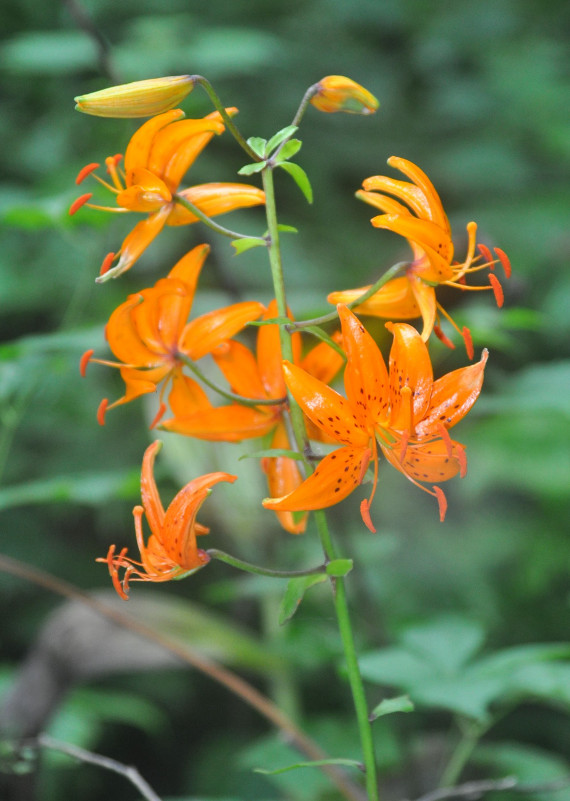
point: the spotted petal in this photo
(410, 366)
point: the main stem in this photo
(298, 425)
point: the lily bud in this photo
(137, 99)
(337, 93)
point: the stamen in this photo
(444, 433)
(111, 162)
(158, 416)
(408, 409)
(487, 255)
(107, 261)
(497, 289)
(442, 501)
(76, 205)
(442, 337)
(404, 446)
(85, 171)
(101, 411)
(84, 361)
(505, 261)
(466, 334)
(461, 457)
(364, 464)
(365, 513)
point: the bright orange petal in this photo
(239, 366)
(386, 204)
(231, 423)
(431, 238)
(412, 171)
(429, 462)
(411, 194)
(394, 301)
(137, 242)
(269, 356)
(173, 149)
(365, 377)
(322, 361)
(153, 508)
(187, 396)
(336, 476)
(328, 410)
(283, 477)
(452, 396)
(214, 199)
(189, 267)
(138, 149)
(124, 339)
(147, 192)
(410, 366)
(209, 330)
(140, 382)
(424, 295)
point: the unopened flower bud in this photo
(138, 99)
(337, 93)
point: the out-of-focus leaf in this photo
(296, 589)
(48, 53)
(91, 489)
(530, 766)
(388, 706)
(300, 177)
(241, 245)
(351, 763)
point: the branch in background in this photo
(83, 21)
(476, 789)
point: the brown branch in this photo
(476, 789)
(249, 694)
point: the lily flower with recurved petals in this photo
(423, 222)
(403, 413)
(150, 334)
(171, 551)
(254, 376)
(158, 156)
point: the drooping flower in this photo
(423, 222)
(158, 156)
(149, 333)
(171, 551)
(338, 93)
(254, 376)
(403, 412)
(137, 99)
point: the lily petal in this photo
(411, 194)
(424, 295)
(430, 237)
(188, 268)
(395, 300)
(382, 202)
(231, 423)
(140, 144)
(209, 330)
(214, 199)
(173, 150)
(428, 462)
(152, 504)
(413, 172)
(137, 241)
(239, 366)
(410, 366)
(146, 194)
(283, 477)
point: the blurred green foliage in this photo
(477, 94)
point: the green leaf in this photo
(296, 589)
(339, 567)
(400, 703)
(258, 145)
(250, 169)
(288, 150)
(320, 334)
(272, 321)
(48, 53)
(247, 243)
(89, 488)
(300, 177)
(287, 229)
(279, 137)
(272, 453)
(352, 763)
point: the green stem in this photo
(354, 677)
(461, 754)
(263, 571)
(311, 92)
(226, 393)
(219, 229)
(230, 125)
(328, 318)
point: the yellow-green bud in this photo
(138, 99)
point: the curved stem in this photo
(311, 92)
(462, 753)
(354, 677)
(263, 571)
(229, 123)
(226, 393)
(219, 229)
(328, 318)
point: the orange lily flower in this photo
(149, 332)
(171, 551)
(423, 222)
(404, 412)
(260, 377)
(158, 156)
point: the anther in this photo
(365, 513)
(101, 411)
(497, 289)
(76, 205)
(84, 361)
(442, 502)
(85, 171)
(505, 261)
(107, 261)
(466, 334)
(442, 337)
(487, 255)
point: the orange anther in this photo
(158, 416)
(84, 361)
(101, 411)
(112, 161)
(466, 333)
(505, 261)
(497, 289)
(76, 205)
(442, 501)
(365, 513)
(107, 261)
(85, 171)
(487, 255)
(442, 337)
